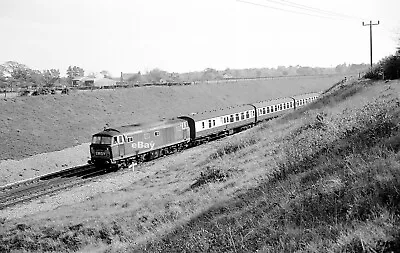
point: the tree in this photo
(73, 72)
(51, 76)
(106, 73)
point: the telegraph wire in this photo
(306, 7)
(322, 13)
(281, 9)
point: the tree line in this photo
(208, 74)
(18, 75)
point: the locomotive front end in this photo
(100, 149)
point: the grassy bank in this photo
(323, 179)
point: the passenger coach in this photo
(273, 108)
(208, 125)
(304, 99)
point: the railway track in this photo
(36, 187)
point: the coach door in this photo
(121, 145)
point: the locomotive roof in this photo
(272, 102)
(219, 112)
(140, 127)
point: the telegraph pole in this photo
(370, 36)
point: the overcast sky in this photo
(191, 35)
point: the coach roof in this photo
(272, 102)
(141, 127)
(219, 113)
(307, 95)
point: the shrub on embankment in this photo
(387, 68)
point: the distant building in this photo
(104, 82)
(78, 81)
(227, 76)
(93, 81)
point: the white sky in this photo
(191, 35)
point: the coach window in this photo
(224, 120)
(231, 118)
(276, 107)
(202, 124)
(209, 123)
(280, 107)
(264, 110)
(267, 109)
(284, 106)
(237, 116)
(247, 115)
(213, 122)
(242, 115)
(157, 133)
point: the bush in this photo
(387, 68)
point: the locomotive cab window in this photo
(120, 139)
(115, 140)
(101, 140)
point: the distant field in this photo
(33, 125)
